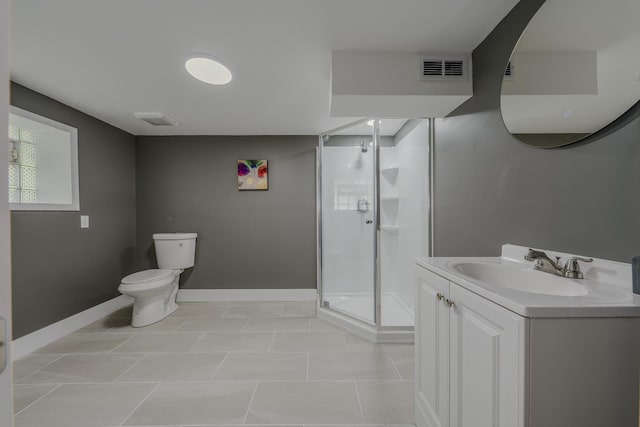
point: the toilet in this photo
(154, 291)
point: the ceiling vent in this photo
(509, 71)
(444, 68)
(157, 119)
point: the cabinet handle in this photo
(3, 346)
(449, 302)
(440, 296)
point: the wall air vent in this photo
(157, 119)
(432, 68)
(454, 68)
(509, 71)
(443, 68)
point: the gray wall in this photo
(492, 189)
(246, 239)
(58, 268)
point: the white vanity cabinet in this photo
(470, 358)
(479, 364)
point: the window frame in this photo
(75, 182)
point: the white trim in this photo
(73, 153)
(204, 295)
(38, 339)
(6, 398)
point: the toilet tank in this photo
(175, 251)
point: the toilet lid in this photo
(146, 276)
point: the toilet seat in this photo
(157, 275)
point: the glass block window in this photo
(14, 195)
(43, 163)
(14, 176)
(22, 166)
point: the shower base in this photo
(354, 312)
(394, 311)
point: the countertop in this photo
(608, 283)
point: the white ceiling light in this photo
(208, 70)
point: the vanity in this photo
(499, 343)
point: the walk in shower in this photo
(373, 220)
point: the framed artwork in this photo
(253, 175)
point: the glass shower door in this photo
(349, 222)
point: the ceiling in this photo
(113, 58)
(388, 127)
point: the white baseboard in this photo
(22, 346)
(210, 295)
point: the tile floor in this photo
(267, 363)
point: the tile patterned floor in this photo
(215, 364)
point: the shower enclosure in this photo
(373, 220)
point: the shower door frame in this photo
(380, 330)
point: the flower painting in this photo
(253, 175)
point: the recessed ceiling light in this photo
(208, 70)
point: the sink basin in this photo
(519, 278)
(512, 283)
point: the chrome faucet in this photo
(543, 263)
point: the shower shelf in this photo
(391, 172)
(393, 229)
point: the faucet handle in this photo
(579, 258)
(572, 267)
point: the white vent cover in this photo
(157, 119)
(443, 67)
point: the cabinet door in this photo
(488, 354)
(432, 351)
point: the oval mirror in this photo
(575, 70)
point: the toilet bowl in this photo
(155, 290)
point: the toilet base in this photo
(152, 309)
(150, 312)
